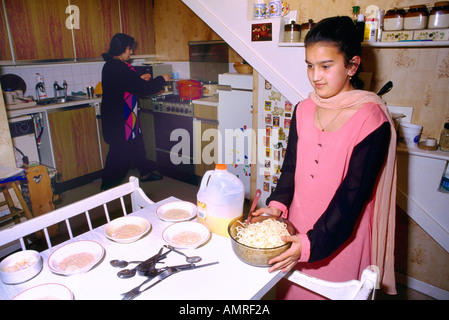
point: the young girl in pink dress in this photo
(337, 184)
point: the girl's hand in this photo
(289, 258)
(146, 76)
(272, 211)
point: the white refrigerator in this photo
(235, 123)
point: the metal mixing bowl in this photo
(257, 257)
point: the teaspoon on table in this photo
(121, 263)
(193, 259)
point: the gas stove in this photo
(172, 104)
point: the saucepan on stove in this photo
(190, 89)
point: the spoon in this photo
(121, 263)
(193, 259)
(127, 273)
(253, 206)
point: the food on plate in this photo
(127, 231)
(21, 265)
(176, 214)
(186, 238)
(265, 234)
(76, 261)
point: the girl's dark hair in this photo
(340, 32)
(119, 43)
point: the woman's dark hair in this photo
(340, 32)
(119, 43)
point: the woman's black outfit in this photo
(120, 123)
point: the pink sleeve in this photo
(305, 250)
(305, 243)
(280, 206)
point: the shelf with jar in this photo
(416, 26)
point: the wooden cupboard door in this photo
(38, 29)
(99, 21)
(138, 22)
(75, 142)
(5, 49)
(209, 148)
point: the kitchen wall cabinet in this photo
(99, 21)
(38, 30)
(74, 138)
(138, 21)
(5, 49)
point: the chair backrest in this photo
(361, 289)
(41, 223)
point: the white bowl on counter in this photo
(47, 291)
(176, 211)
(20, 267)
(186, 235)
(75, 257)
(127, 229)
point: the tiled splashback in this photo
(78, 75)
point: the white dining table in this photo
(230, 279)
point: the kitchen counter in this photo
(17, 112)
(208, 101)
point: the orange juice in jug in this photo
(220, 199)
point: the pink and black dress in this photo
(326, 189)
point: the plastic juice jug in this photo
(220, 199)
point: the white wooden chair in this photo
(362, 289)
(41, 223)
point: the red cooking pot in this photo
(190, 89)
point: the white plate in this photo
(75, 250)
(164, 212)
(130, 223)
(48, 291)
(186, 235)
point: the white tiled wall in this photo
(78, 76)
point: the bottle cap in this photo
(221, 166)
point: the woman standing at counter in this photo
(338, 178)
(119, 118)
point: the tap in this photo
(57, 88)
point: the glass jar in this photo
(416, 17)
(305, 27)
(439, 16)
(444, 138)
(292, 32)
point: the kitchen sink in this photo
(59, 100)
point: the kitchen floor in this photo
(159, 190)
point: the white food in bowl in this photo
(176, 211)
(20, 266)
(75, 257)
(186, 235)
(127, 229)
